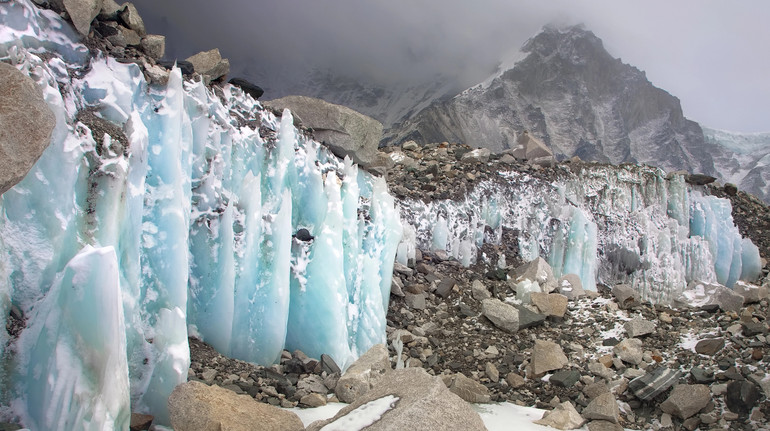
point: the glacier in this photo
(607, 224)
(118, 245)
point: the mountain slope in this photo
(744, 160)
(571, 93)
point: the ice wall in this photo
(183, 217)
(607, 224)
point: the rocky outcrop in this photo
(571, 94)
(210, 64)
(194, 406)
(346, 132)
(363, 374)
(407, 399)
(26, 124)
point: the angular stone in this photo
(491, 371)
(154, 45)
(550, 304)
(514, 380)
(598, 369)
(709, 295)
(130, 16)
(196, 406)
(26, 124)
(418, 400)
(124, 37)
(565, 378)
(625, 295)
(686, 400)
(570, 286)
(751, 293)
(742, 396)
(248, 87)
(595, 389)
(638, 327)
(139, 422)
(109, 11)
(156, 74)
(603, 408)
(653, 383)
(313, 400)
(363, 374)
(528, 318)
(502, 315)
(478, 155)
(445, 287)
(547, 356)
(344, 131)
(604, 426)
(563, 417)
(210, 63)
(699, 375)
(313, 383)
(537, 270)
(415, 301)
(710, 346)
(479, 291)
(629, 350)
(467, 389)
(328, 364)
(82, 12)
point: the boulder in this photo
(479, 291)
(194, 406)
(699, 179)
(26, 124)
(363, 374)
(563, 417)
(210, 64)
(479, 155)
(467, 389)
(529, 318)
(529, 148)
(550, 304)
(638, 327)
(742, 396)
(154, 45)
(701, 294)
(537, 270)
(110, 10)
(547, 356)
(139, 422)
(130, 17)
(751, 293)
(565, 378)
(249, 88)
(686, 400)
(629, 350)
(124, 37)
(625, 295)
(653, 383)
(603, 408)
(81, 12)
(406, 399)
(570, 286)
(710, 346)
(502, 315)
(345, 131)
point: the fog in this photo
(713, 55)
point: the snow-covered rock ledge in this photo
(158, 211)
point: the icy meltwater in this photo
(115, 248)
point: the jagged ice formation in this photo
(611, 224)
(117, 245)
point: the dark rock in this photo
(699, 179)
(751, 329)
(328, 364)
(303, 235)
(612, 341)
(415, 301)
(731, 189)
(185, 66)
(253, 90)
(445, 287)
(565, 378)
(710, 346)
(742, 396)
(140, 422)
(699, 375)
(653, 383)
(528, 318)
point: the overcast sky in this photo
(713, 55)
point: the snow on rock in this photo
(176, 216)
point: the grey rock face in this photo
(547, 356)
(604, 408)
(363, 374)
(537, 270)
(573, 95)
(26, 124)
(418, 399)
(154, 45)
(638, 327)
(82, 12)
(210, 64)
(502, 315)
(742, 396)
(345, 131)
(133, 20)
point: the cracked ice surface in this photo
(113, 246)
(625, 224)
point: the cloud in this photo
(712, 55)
